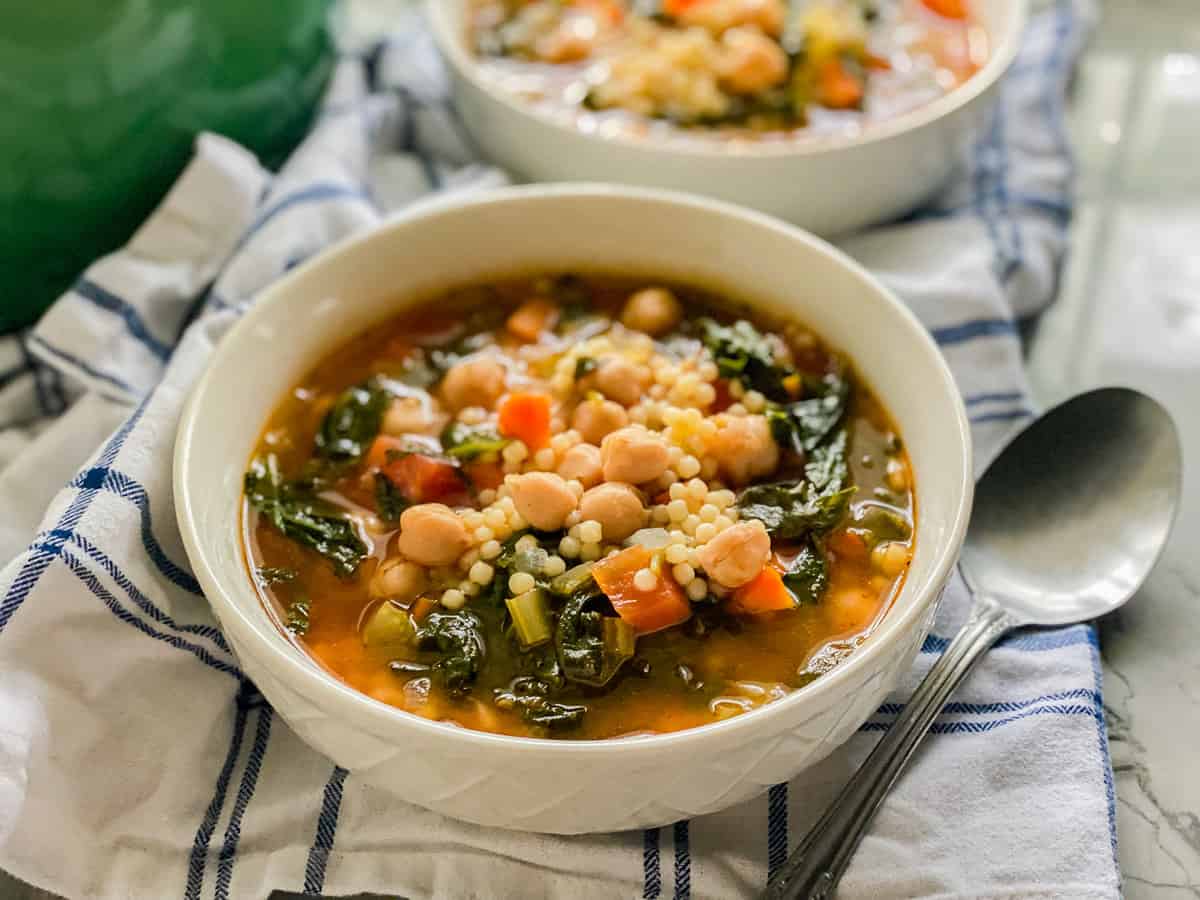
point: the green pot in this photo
(100, 104)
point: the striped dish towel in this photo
(137, 761)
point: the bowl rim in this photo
(447, 32)
(324, 690)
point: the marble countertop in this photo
(1129, 313)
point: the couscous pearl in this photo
(708, 512)
(706, 395)
(591, 532)
(708, 371)
(705, 532)
(677, 510)
(659, 515)
(521, 582)
(454, 599)
(645, 580)
(574, 518)
(559, 443)
(657, 391)
(697, 589)
(667, 479)
(484, 534)
(676, 553)
(683, 574)
(526, 542)
(678, 491)
(506, 503)
(708, 429)
(481, 573)
(467, 560)
(516, 523)
(544, 458)
(675, 454)
(689, 467)
(721, 499)
(486, 498)
(721, 523)
(754, 402)
(554, 566)
(469, 588)
(736, 409)
(569, 547)
(515, 452)
(589, 552)
(690, 524)
(697, 489)
(495, 518)
(473, 520)
(490, 550)
(736, 390)
(575, 486)
(678, 537)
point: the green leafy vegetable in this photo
(828, 468)
(458, 638)
(792, 509)
(466, 442)
(805, 424)
(808, 575)
(531, 697)
(268, 576)
(296, 620)
(389, 502)
(743, 353)
(352, 422)
(584, 366)
(304, 518)
(591, 647)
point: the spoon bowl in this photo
(1073, 514)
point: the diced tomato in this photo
(532, 318)
(485, 475)
(950, 9)
(661, 607)
(724, 398)
(766, 593)
(837, 87)
(847, 545)
(526, 416)
(421, 607)
(678, 7)
(418, 477)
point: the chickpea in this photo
(415, 413)
(891, 558)
(543, 499)
(617, 507)
(751, 62)
(478, 381)
(582, 463)
(619, 379)
(432, 535)
(595, 419)
(398, 579)
(718, 16)
(744, 448)
(652, 310)
(634, 455)
(736, 555)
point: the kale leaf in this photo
(269, 575)
(743, 353)
(458, 638)
(296, 620)
(585, 640)
(352, 422)
(794, 509)
(466, 442)
(804, 424)
(389, 502)
(531, 696)
(303, 517)
(828, 468)
(808, 575)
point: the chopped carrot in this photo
(766, 593)
(532, 318)
(419, 478)
(837, 88)
(950, 9)
(878, 63)
(661, 607)
(848, 545)
(678, 7)
(526, 416)
(421, 607)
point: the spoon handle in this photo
(814, 868)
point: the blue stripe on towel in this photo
(1034, 640)
(37, 560)
(121, 485)
(327, 821)
(233, 831)
(314, 193)
(1011, 415)
(198, 859)
(1000, 397)
(110, 302)
(683, 861)
(651, 866)
(1001, 706)
(975, 328)
(86, 368)
(1102, 740)
(968, 727)
(777, 828)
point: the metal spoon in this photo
(1068, 522)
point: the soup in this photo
(579, 507)
(691, 69)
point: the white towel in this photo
(135, 761)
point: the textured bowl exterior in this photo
(565, 786)
(828, 187)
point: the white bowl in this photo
(565, 786)
(827, 184)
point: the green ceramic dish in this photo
(102, 102)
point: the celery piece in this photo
(531, 617)
(388, 627)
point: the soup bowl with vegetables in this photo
(575, 508)
(833, 114)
